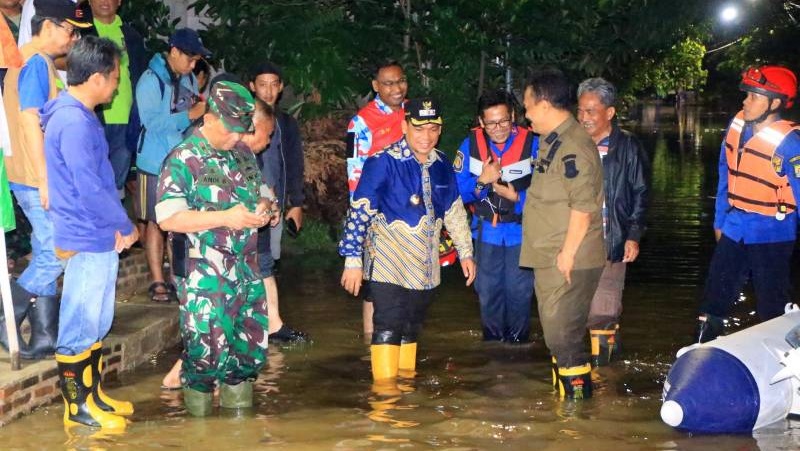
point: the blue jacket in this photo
(282, 162)
(397, 213)
(754, 228)
(162, 128)
(84, 204)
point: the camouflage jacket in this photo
(196, 176)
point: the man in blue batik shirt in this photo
(406, 193)
(493, 170)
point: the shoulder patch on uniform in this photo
(777, 163)
(570, 166)
(458, 161)
(795, 162)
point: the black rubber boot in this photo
(103, 401)
(575, 382)
(43, 317)
(709, 327)
(21, 300)
(77, 379)
(605, 344)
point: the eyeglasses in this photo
(493, 125)
(393, 83)
(758, 77)
(74, 32)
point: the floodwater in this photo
(466, 394)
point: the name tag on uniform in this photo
(213, 177)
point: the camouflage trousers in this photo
(224, 329)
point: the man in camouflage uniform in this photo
(210, 189)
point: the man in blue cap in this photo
(167, 97)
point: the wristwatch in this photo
(480, 186)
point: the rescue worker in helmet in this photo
(755, 221)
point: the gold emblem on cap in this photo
(427, 105)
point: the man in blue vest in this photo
(493, 170)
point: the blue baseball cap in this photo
(188, 41)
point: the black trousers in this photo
(767, 265)
(399, 312)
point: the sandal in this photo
(173, 292)
(159, 292)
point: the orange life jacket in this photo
(516, 170)
(753, 181)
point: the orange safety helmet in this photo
(771, 81)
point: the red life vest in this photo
(753, 182)
(516, 169)
(385, 128)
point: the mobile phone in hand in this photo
(291, 228)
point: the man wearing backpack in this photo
(168, 102)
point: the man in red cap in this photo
(756, 211)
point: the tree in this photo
(328, 48)
(679, 68)
(151, 19)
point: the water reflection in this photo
(466, 394)
(390, 398)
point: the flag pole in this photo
(8, 306)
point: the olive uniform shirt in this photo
(568, 176)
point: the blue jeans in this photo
(266, 263)
(40, 276)
(118, 152)
(87, 302)
(505, 291)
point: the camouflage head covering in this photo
(234, 104)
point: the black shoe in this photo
(43, 317)
(288, 335)
(709, 327)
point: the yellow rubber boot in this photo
(408, 357)
(385, 361)
(575, 382)
(77, 379)
(102, 400)
(604, 345)
(554, 370)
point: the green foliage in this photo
(328, 48)
(316, 238)
(679, 68)
(151, 20)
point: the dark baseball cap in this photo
(188, 41)
(65, 10)
(266, 67)
(423, 110)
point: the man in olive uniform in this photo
(210, 189)
(562, 228)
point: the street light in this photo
(729, 14)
